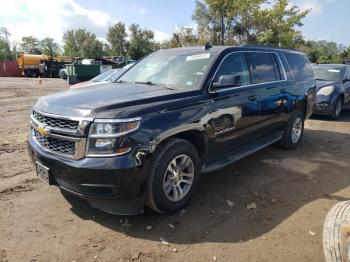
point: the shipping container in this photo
(9, 68)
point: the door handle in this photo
(252, 98)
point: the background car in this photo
(333, 89)
(108, 76)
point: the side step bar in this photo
(241, 153)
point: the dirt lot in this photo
(293, 191)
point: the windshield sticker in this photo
(334, 70)
(198, 57)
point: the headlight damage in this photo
(105, 136)
(326, 91)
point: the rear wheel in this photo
(293, 132)
(33, 74)
(337, 109)
(174, 175)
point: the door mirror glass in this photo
(346, 79)
(228, 81)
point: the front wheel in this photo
(337, 109)
(174, 175)
(293, 132)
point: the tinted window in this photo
(300, 66)
(234, 65)
(347, 72)
(262, 67)
(286, 68)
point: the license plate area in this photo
(43, 173)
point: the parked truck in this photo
(29, 64)
(41, 65)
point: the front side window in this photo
(233, 71)
(263, 67)
(179, 70)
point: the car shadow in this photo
(278, 182)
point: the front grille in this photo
(54, 144)
(56, 122)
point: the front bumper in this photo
(325, 105)
(114, 185)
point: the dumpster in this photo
(80, 72)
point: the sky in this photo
(328, 19)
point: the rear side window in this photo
(263, 67)
(299, 65)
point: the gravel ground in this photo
(292, 191)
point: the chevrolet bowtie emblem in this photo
(43, 131)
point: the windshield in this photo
(103, 77)
(118, 73)
(174, 70)
(327, 73)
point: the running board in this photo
(241, 153)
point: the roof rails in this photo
(268, 45)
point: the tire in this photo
(336, 233)
(337, 109)
(32, 74)
(158, 196)
(289, 140)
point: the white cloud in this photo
(160, 36)
(317, 6)
(43, 18)
(30, 18)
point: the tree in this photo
(280, 25)
(5, 49)
(182, 36)
(247, 21)
(116, 36)
(324, 52)
(50, 47)
(82, 43)
(30, 45)
(141, 42)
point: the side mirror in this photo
(346, 79)
(227, 81)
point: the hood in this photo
(323, 83)
(91, 100)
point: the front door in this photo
(235, 105)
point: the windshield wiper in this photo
(150, 83)
(122, 81)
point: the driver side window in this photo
(233, 71)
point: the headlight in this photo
(326, 91)
(104, 133)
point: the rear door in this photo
(267, 74)
(235, 108)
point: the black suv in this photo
(146, 138)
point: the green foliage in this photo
(324, 52)
(82, 43)
(116, 36)
(229, 22)
(50, 47)
(141, 42)
(30, 45)
(5, 47)
(183, 36)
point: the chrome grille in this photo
(56, 122)
(54, 144)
